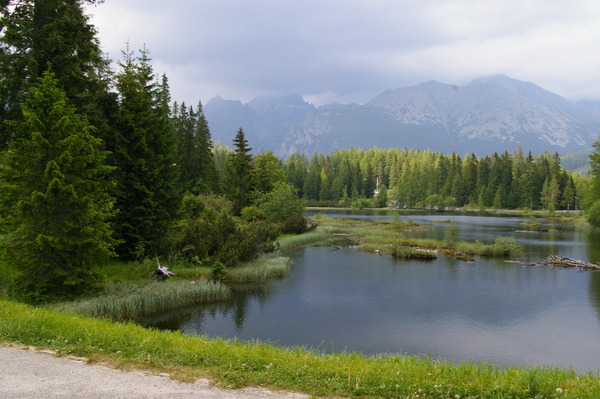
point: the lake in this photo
(487, 310)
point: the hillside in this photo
(489, 114)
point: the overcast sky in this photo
(351, 50)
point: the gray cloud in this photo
(352, 50)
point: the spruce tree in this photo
(238, 173)
(144, 150)
(50, 35)
(194, 150)
(54, 195)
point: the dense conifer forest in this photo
(423, 179)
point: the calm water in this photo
(346, 300)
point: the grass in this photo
(127, 301)
(262, 269)
(237, 364)
(319, 236)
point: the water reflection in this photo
(486, 310)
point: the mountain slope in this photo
(489, 114)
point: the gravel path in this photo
(32, 374)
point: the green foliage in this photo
(218, 270)
(194, 150)
(252, 213)
(593, 214)
(54, 195)
(262, 269)
(435, 180)
(144, 150)
(237, 184)
(267, 171)
(451, 236)
(505, 246)
(55, 36)
(382, 197)
(283, 206)
(208, 232)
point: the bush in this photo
(219, 271)
(284, 207)
(593, 214)
(507, 246)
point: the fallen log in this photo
(561, 261)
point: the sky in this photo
(352, 50)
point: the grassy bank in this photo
(236, 364)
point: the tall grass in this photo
(321, 234)
(262, 269)
(503, 246)
(236, 364)
(131, 301)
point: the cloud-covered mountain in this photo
(487, 115)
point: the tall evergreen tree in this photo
(54, 194)
(194, 150)
(50, 35)
(593, 198)
(144, 150)
(238, 174)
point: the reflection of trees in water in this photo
(593, 247)
(193, 317)
(594, 257)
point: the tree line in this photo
(425, 179)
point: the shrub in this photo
(506, 246)
(219, 271)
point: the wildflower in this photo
(558, 390)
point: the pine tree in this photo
(144, 150)
(50, 35)
(593, 198)
(194, 150)
(54, 195)
(238, 173)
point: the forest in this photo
(422, 179)
(97, 163)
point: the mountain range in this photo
(487, 115)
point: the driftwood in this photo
(161, 272)
(562, 261)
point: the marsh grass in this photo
(262, 269)
(128, 301)
(236, 364)
(503, 246)
(316, 237)
(192, 272)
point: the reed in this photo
(128, 301)
(262, 269)
(321, 234)
(192, 272)
(503, 246)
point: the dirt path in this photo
(26, 373)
